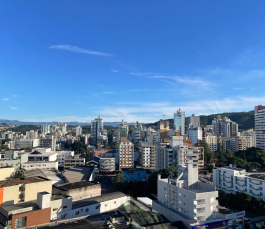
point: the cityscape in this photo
(132, 114)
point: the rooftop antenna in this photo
(164, 116)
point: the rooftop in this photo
(233, 168)
(39, 154)
(17, 181)
(257, 176)
(97, 199)
(75, 185)
(133, 169)
(256, 170)
(78, 173)
(19, 206)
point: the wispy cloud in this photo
(13, 108)
(172, 80)
(152, 111)
(6, 99)
(76, 49)
(108, 92)
(14, 95)
(114, 70)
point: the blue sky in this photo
(133, 60)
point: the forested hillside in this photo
(245, 120)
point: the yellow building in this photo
(21, 190)
(5, 173)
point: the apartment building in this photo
(62, 155)
(212, 141)
(224, 127)
(78, 131)
(232, 179)
(38, 156)
(260, 126)
(136, 134)
(126, 154)
(32, 134)
(73, 161)
(45, 129)
(195, 134)
(186, 197)
(194, 121)
(98, 133)
(147, 155)
(122, 130)
(107, 164)
(17, 190)
(26, 143)
(48, 142)
(179, 122)
(13, 158)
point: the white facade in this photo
(260, 126)
(32, 134)
(224, 127)
(25, 143)
(45, 129)
(147, 155)
(126, 154)
(231, 179)
(187, 196)
(98, 133)
(195, 134)
(61, 155)
(136, 135)
(107, 164)
(78, 131)
(48, 142)
(40, 165)
(37, 156)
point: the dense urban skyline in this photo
(136, 60)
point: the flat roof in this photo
(19, 206)
(17, 181)
(39, 154)
(80, 184)
(233, 168)
(97, 199)
(78, 173)
(257, 176)
(256, 170)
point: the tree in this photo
(208, 155)
(18, 174)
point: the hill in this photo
(245, 120)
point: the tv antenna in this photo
(164, 116)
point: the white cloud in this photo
(151, 112)
(114, 70)
(79, 50)
(6, 99)
(14, 95)
(13, 108)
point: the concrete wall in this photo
(93, 209)
(31, 190)
(85, 192)
(40, 165)
(61, 205)
(5, 173)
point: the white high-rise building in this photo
(32, 134)
(186, 196)
(98, 133)
(136, 135)
(147, 155)
(260, 126)
(45, 128)
(224, 127)
(195, 134)
(179, 122)
(78, 131)
(123, 130)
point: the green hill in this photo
(245, 120)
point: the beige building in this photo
(17, 190)
(212, 141)
(147, 155)
(126, 151)
(5, 173)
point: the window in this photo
(20, 222)
(77, 213)
(114, 202)
(87, 210)
(55, 209)
(64, 207)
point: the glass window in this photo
(21, 222)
